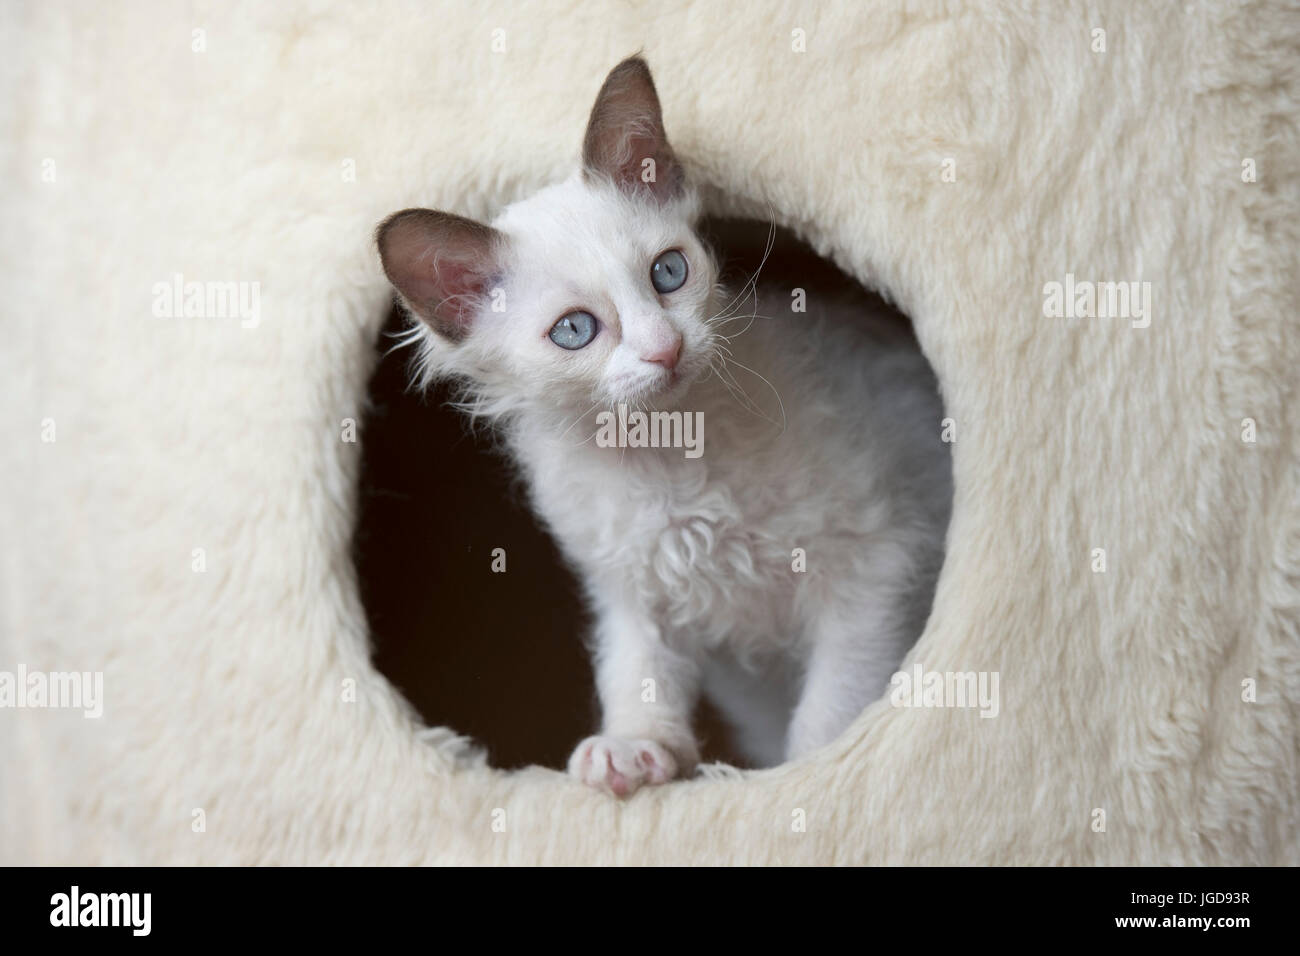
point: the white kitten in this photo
(786, 570)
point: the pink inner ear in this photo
(626, 128)
(637, 149)
(457, 288)
(441, 263)
(624, 163)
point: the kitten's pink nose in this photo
(666, 354)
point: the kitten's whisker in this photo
(770, 386)
(594, 431)
(752, 285)
(578, 419)
(748, 403)
(740, 395)
(736, 335)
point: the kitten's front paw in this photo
(620, 765)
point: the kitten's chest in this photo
(681, 541)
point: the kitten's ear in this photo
(625, 139)
(442, 265)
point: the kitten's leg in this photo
(855, 650)
(647, 694)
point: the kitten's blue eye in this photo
(574, 330)
(668, 273)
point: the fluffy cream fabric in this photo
(1121, 691)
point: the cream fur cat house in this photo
(1125, 544)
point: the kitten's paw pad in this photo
(620, 765)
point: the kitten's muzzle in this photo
(667, 354)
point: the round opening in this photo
(501, 657)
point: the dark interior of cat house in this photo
(499, 657)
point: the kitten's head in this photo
(593, 291)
